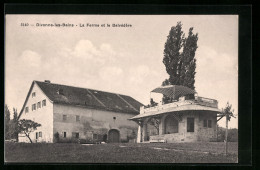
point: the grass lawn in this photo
(120, 153)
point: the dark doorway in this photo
(105, 138)
(113, 136)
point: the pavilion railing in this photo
(198, 100)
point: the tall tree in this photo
(180, 65)
(188, 60)
(227, 112)
(15, 124)
(27, 126)
(7, 122)
(172, 53)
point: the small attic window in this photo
(44, 102)
(26, 109)
(33, 94)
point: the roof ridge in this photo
(83, 88)
(127, 102)
(97, 98)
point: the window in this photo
(40, 134)
(64, 134)
(44, 102)
(33, 107)
(209, 123)
(38, 105)
(26, 109)
(77, 118)
(190, 124)
(204, 123)
(33, 94)
(36, 135)
(75, 135)
(64, 117)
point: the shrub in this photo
(69, 140)
(56, 137)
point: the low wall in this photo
(175, 138)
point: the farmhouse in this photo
(185, 117)
(71, 113)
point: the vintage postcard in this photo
(121, 88)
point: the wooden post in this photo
(226, 148)
(141, 136)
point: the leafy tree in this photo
(172, 53)
(27, 126)
(188, 60)
(14, 125)
(15, 117)
(180, 65)
(228, 111)
(232, 135)
(57, 136)
(7, 122)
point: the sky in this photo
(124, 60)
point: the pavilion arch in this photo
(151, 129)
(171, 124)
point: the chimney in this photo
(47, 81)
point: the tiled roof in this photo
(174, 91)
(89, 98)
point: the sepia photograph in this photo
(121, 88)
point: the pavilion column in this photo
(140, 132)
(144, 132)
(161, 126)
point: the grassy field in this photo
(121, 153)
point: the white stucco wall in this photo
(43, 115)
(200, 133)
(96, 120)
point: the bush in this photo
(65, 140)
(232, 134)
(74, 140)
(56, 137)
